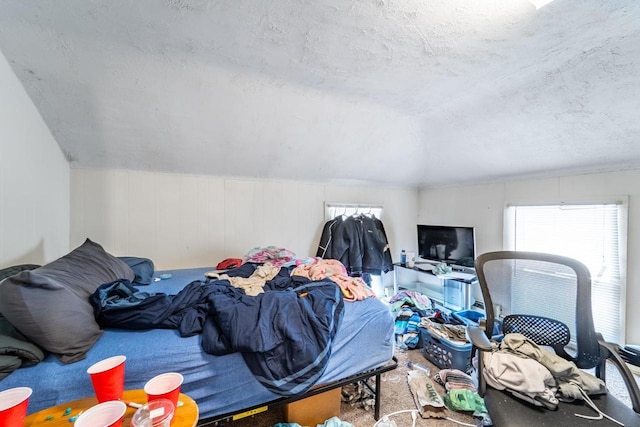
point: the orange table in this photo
(185, 415)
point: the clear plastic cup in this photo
(157, 413)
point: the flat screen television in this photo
(452, 245)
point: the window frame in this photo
(622, 204)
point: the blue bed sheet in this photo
(219, 384)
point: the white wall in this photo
(182, 221)
(34, 180)
(482, 206)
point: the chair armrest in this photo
(478, 338)
(479, 341)
(629, 380)
(630, 354)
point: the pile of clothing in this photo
(445, 326)
(410, 307)
(539, 376)
(462, 395)
(306, 312)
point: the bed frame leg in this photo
(376, 412)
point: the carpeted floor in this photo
(396, 396)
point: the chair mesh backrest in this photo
(545, 297)
(541, 330)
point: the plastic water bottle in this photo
(403, 258)
(419, 366)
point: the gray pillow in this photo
(50, 305)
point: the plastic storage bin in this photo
(473, 317)
(446, 354)
(469, 317)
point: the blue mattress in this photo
(219, 384)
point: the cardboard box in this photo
(314, 410)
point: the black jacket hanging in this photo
(357, 241)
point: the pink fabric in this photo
(271, 254)
(353, 288)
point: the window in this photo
(594, 234)
(333, 209)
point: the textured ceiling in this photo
(409, 92)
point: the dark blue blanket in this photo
(284, 334)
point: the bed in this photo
(223, 386)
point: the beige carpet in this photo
(396, 396)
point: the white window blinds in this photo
(594, 234)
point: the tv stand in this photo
(450, 292)
(463, 269)
(427, 261)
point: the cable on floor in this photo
(386, 422)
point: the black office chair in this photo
(547, 298)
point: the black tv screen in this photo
(442, 243)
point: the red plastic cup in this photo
(109, 414)
(13, 406)
(164, 386)
(107, 377)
